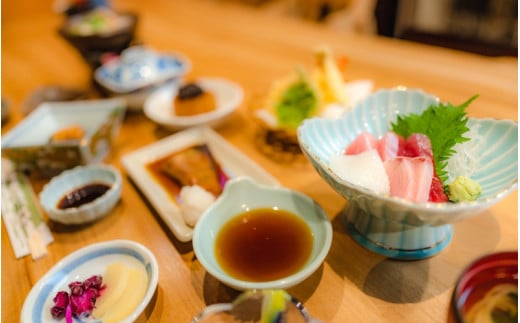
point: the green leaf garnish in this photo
(298, 102)
(444, 124)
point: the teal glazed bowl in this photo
(392, 226)
(243, 194)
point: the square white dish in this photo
(233, 162)
(29, 146)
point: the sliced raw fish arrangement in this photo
(392, 165)
(363, 142)
(365, 169)
(388, 146)
(410, 178)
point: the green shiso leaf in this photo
(444, 124)
(298, 102)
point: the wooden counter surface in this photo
(227, 40)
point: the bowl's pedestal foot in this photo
(393, 239)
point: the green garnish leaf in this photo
(444, 124)
(298, 102)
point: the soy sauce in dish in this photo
(82, 195)
(263, 244)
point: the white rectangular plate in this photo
(234, 163)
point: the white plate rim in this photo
(233, 161)
(63, 269)
(159, 107)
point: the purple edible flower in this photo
(61, 301)
(93, 281)
(76, 288)
(68, 315)
(81, 300)
(83, 303)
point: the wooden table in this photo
(227, 40)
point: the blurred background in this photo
(487, 27)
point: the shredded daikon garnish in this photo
(465, 160)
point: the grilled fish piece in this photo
(194, 166)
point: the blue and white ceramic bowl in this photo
(392, 226)
(139, 72)
(242, 194)
(139, 67)
(80, 265)
(74, 179)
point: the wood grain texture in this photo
(236, 42)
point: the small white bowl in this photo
(159, 106)
(242, 194)
(76, 178)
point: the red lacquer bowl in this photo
(480, 277)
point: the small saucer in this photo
(159, 106)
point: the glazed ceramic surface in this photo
(159, 106)
(29, 145)
(423, 224)
(138, 67)
(233, 162)
(80, 265)
(74, 179)
(482, 277)
(242, 194)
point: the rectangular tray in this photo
(234, 163)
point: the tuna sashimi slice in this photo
(388, 145)
(365, 169)
(419, 144)
(416, 145)
(410, 178)
(363, 142)
(437, 193)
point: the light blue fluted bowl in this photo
(393, 226)
(75, 178)
(242, 194)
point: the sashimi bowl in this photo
(394, 226)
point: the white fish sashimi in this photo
(410, 177)
(365, 169)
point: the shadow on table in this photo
(405, 281)
(216, 292)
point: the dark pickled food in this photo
(193, 100)
(190, 91)
(83, 195)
